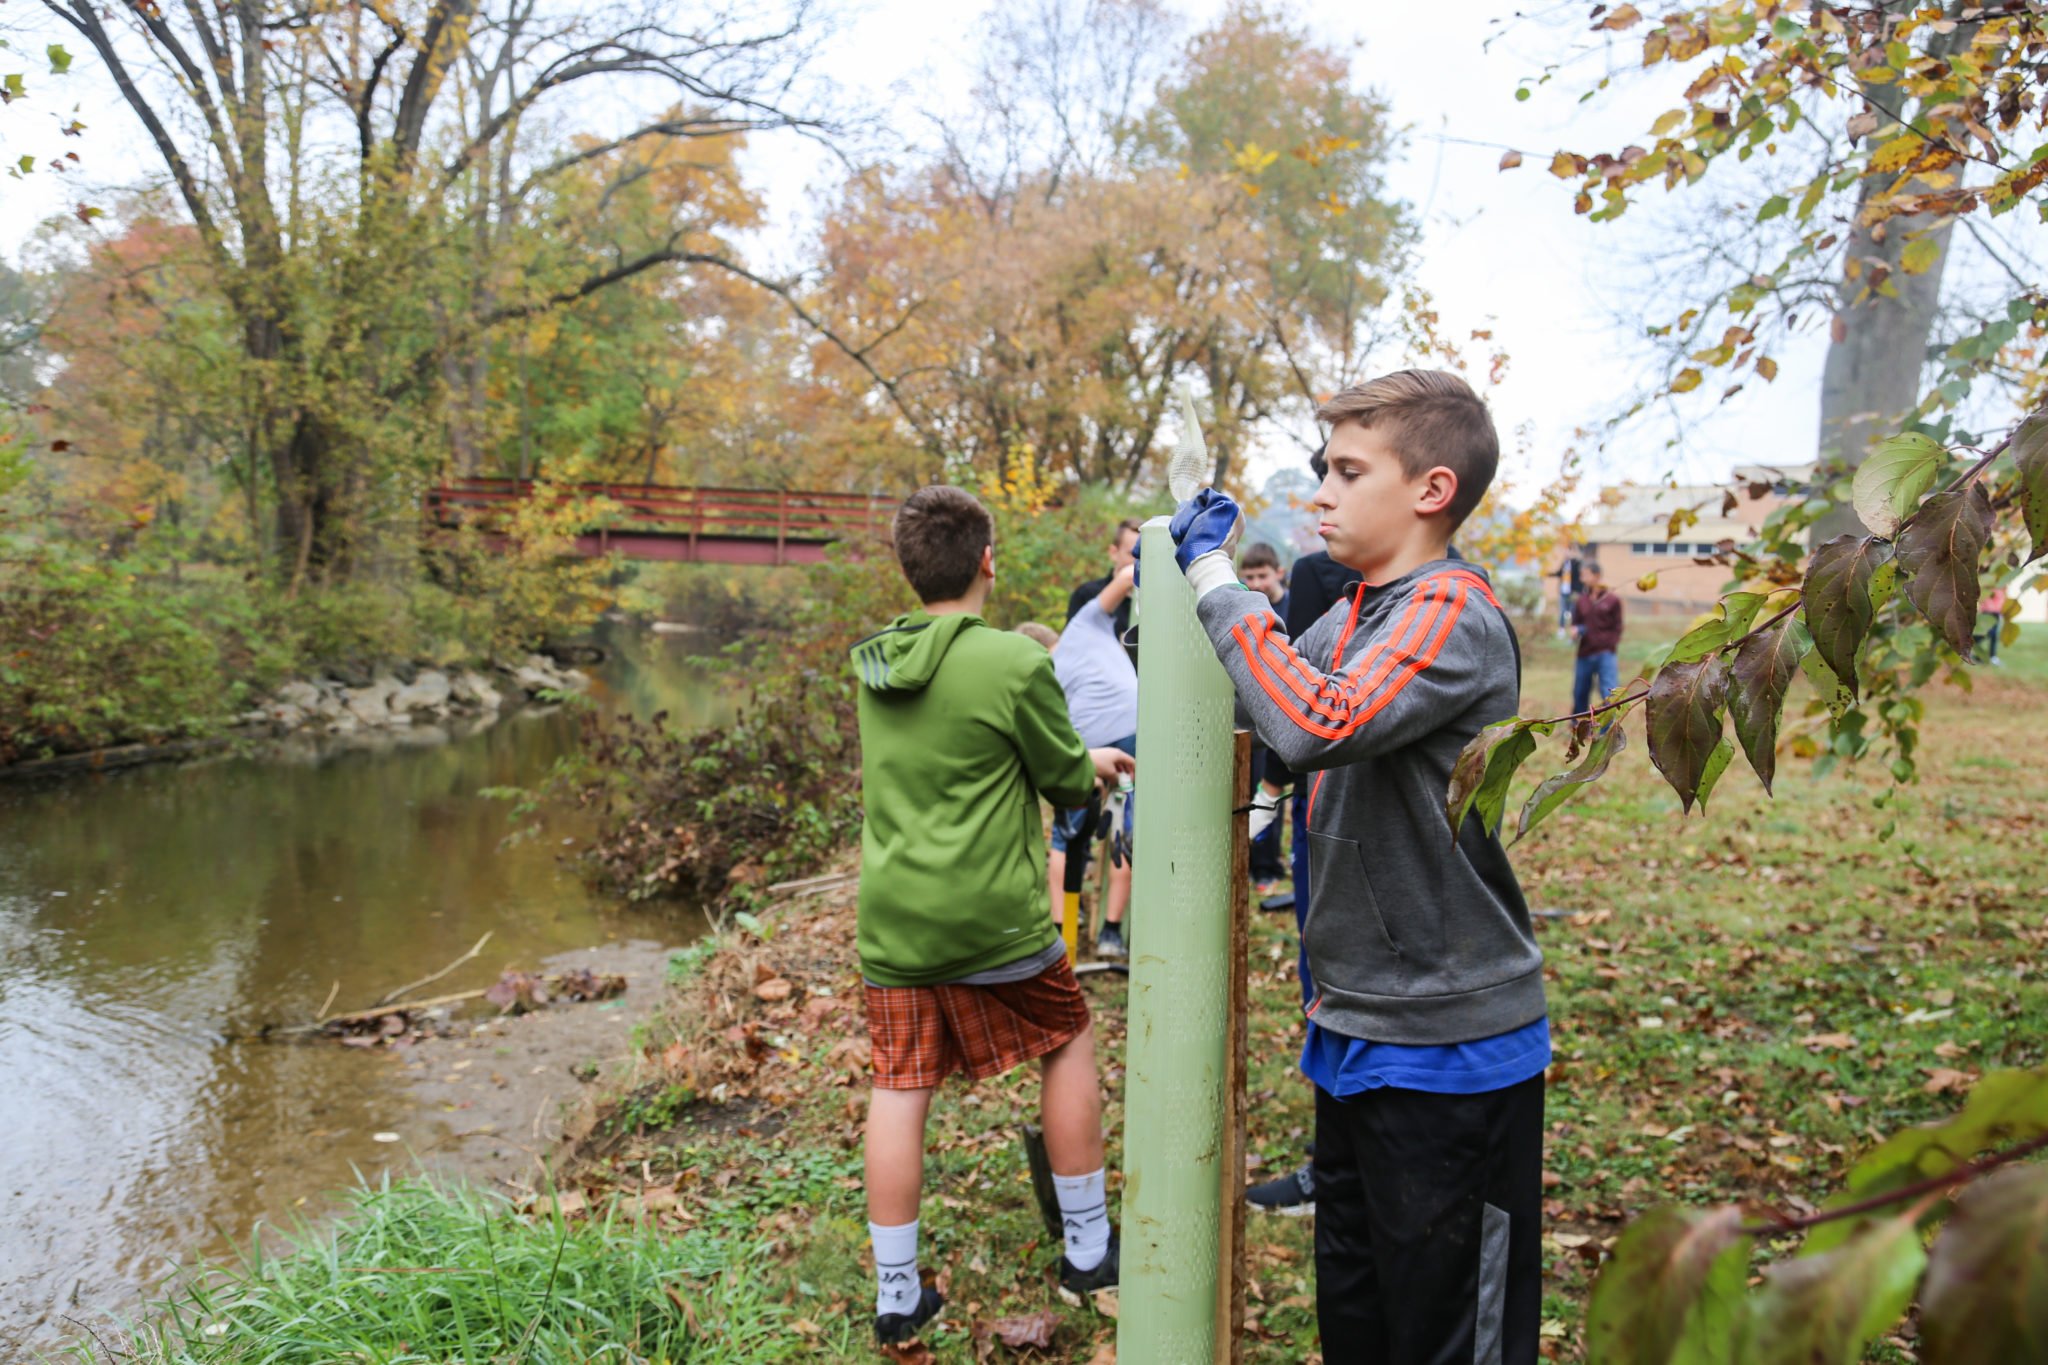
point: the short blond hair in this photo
(1043, 634)
(1430, 418)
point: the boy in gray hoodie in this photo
(1427, 1033)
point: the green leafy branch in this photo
(1676, 1288)
(1928, 547)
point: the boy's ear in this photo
(988, 561)
(1438, 487)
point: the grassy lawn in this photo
(1740, 1005)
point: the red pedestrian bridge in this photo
(682, 525)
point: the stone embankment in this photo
(402, 695)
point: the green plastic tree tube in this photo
(1179, 990)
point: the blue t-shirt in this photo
(1345, 1067)
(1097, 676)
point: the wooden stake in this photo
(1230, 1277)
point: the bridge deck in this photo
(689, 525)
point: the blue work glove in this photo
(1205, 523)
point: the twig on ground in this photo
(391, 997)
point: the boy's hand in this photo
(1111, 764)
(1205, 523)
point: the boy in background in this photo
(1259, 569)
(962, 728)
(1101, 686)
(1427, 1032)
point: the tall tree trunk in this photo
(1872, 376)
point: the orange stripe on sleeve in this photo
(1338, 708)
(1376, 679)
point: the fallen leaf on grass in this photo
(773, 989)
(1944, 1079)
(1106, 1302)
(1814, 1042)
(910, 1353)
(1105, 1354)
(1032, 1330)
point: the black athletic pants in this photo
(1428, 1211)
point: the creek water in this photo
(148, 917)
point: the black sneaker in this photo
(893, 1329)
(1293, 1194)
(1110, 942)
(1103, 1276)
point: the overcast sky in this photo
(1501, 251)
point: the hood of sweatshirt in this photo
(903, 656)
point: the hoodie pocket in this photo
(1348, 944)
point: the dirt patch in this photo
(503, 1090)
(762, 1024)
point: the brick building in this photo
(1625, 534)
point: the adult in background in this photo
(1570, 583)
(1123, 553)
(1991, 621)
(1596, 616)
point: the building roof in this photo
(1633, 512)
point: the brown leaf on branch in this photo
(1511, 160)
(1938, 553)
(1762, 669)
(2030, 454)
(1837, 607)
(1683, 719)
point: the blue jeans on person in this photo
(1604, 667)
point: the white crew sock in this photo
(1085, 1211)
(895, 1268)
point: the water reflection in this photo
(147, 916)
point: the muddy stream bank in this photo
(148, 917)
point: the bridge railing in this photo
(780, 515)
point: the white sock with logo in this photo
(895, 1268)
(1084, 1209)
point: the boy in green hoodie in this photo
(962, 729)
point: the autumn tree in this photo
(357, 292)
(1107, 224)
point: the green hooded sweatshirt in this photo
(962, 729)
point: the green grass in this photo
(418, 1272)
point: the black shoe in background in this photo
(1293, 1194)
(1110, 942)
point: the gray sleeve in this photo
(1417, 673)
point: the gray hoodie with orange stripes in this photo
(1411, 937)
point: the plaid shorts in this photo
(923, 1034)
